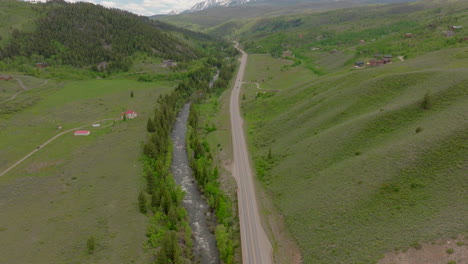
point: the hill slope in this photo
(84, 35)
(362, 161)
(355, 163)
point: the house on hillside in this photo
(374, 63)
(456, 27)
(6, 77)
(388, 56)
(82, 133)
(359, 64)
(287, 53)
(129, 114)
(42, 65)
(362, 41)
(102, 66)
(169, 63)
(449, 33)
(409, 35)
(333, 51)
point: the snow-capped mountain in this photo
(213, 3)
(174, 12)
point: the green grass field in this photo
(75, 187)
(358, 168)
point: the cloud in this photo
(108, 4)
(141, 7)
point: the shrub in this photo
(90, 244)
(418, 129)
(416, 245)
(449, 250)
(426, 102)
(452, 262)
(142, 202)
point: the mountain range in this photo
(214, 3)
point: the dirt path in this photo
(50, 140)
(24, 89)
(256, 248)
(258, 85)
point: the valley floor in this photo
(75, 187)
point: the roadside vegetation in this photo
(207, 173)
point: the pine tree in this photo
(150, 125)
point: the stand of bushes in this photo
(169, 231)
(206, 174)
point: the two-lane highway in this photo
(256, 248)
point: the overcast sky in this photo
(143, 7)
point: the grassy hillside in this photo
(208, 19)
(362, 31)
(356, 162)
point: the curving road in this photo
(256, 248)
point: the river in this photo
(204, 243)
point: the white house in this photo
(82, 133)
(130, 114)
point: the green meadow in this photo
(359, 162)
(75, 187)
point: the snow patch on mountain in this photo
(213, 3)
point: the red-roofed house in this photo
(6, 77)
(82, 133)
(130, 114)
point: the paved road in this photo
(256, 248)
(50, 140)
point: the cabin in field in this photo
(362, 41)
(287, 53)
(359, 64)
(375, 63)
(449, 33)
(42, 65)
(454, 28)
(6, 77)
(409, 35)
(82, 133)
(129, 114)
(169, 63)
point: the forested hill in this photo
(88, 35)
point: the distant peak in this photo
(174, 12)
(214, 3)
